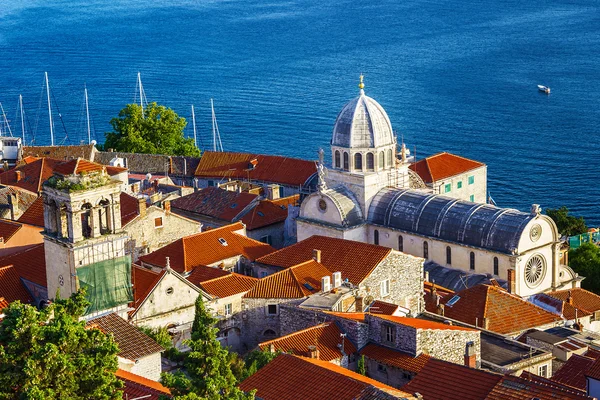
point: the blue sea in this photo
(454, 76)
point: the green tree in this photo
(585, 260)
(257, 359)
(207, 365)
(360, 367)
(49, 354)
(153, 130)
(568, 225)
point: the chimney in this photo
(358, 304)
(167, 206)
(570, 298)
(440, 309)
(317, 255)
(313, 352)
(337, 279)
(325, 284)
(142, 206)
(485, 323)
(470, 356)
(18, 175)
(13, 204)
(511, 281)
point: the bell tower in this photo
(83, 240)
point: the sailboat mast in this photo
(212, 108)
(49, 110)
(194, 125)
(87, 112)
(5, 120)
(22, 118)
(141, 93)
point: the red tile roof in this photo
(276, 169)
(8, 229)
(549, 382)
(443, 165)
(581, 299)
(215, 203)
(205, 248)
(30, 264)
(203, 273)
(440, 293)
(572, 373)
(130, 208)
(138, 387)
(395, 358)
(228, 285)
(11, 287)
(381, 307)
(132, 343)
(77, 166)
(34, 215)
(325, 336)
(290, 377)
(268, 212)
(516, 388)
(504, 313)
(293, 283)
(355, 260)
(143, 280)
(352, 316)
(418, 323)
(594, 370)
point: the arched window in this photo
(103, 217)
(425, 250)
(495, 265)
(400, 243)
(448, 255)
(381, 160)
(269, 333)
(346, 166)
(376, 237)
(358, 161)
(337, 159)
(390, 157)
(86, 220)
(370, 162)
(63, 228)
(472, 261)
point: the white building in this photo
(369, 195)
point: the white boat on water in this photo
(544, 89)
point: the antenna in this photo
(87, 112)
(194, 125)
(49, 110)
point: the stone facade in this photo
(475, 191)
(155, 228)
(388, 374)
(258, 324)
(273, 234)
(149, 367)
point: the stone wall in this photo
(148, 367)
(256, 321)
(404, 338)
(275, 231)
(448, 345)
(387, 374)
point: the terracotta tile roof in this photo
(60, 152)
(290, 377)
(355, 260)
(143, 280)
(11, 287)
(440, 380)
(439, 291)
(276, 169)
(325, 336)
(137, 386)
(549, 382)
(130, 208)
(77, 166)
(132, 343)
(215, 202)
(352, 316)
(394, 357)
(418, 323)
(443, 165)
(205, 249)
(581, 299)
(228, 285)
(292, 283)
(592, 353)
(572, 373)
(557, 306)
(515, 388)
(30, 176)
(268, 212)
(30, 264)
(594, 370)
(8, 229)
(504, 313)
(203, 273)
(381, 307)
(34, 215)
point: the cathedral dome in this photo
(362, 123)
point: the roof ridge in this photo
(39, 185)
(300, 286)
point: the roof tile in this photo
(139, 387)
(143, 280)
(30, 264)
(581, 299)
(395, 358)
(34, 215)
(130, 208)
(268, 212)
(215, 202)
(8, 229)
(443, 165)
(11, 287)
(572, 373)
(418, 323)
(227, 285)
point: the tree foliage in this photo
(585, 260)
(257, 359)
(207, 365)
(360, 367)
(568, 225)
(153, 130)
(49, 354)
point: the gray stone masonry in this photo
(256, 320)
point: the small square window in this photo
(390, 333)
(266, 239)
(471, 179)
(543, 371)
(381, 368)
(385, 288)
(158, 222)
(448, 188)
(459, 185)
(211, 183)
(228, 309)
(472, 197)
(272, 309)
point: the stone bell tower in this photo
(84, 243)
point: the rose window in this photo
(535, 270)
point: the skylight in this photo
(260, 214)
(223, 241)
(453, 301)
(234, 205)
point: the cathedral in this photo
(370, 195)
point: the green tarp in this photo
(107, 283)
(576, 241)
